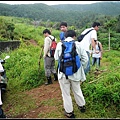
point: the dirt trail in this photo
(43, 93)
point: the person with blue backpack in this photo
(72, 60)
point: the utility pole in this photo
(109, 40)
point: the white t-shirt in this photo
(85, 43)
(96, 55)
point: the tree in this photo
(109, 25)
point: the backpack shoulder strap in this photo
(51, 38)
(99, 42)
(88, 32)
(99, 45)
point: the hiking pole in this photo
(40, 59)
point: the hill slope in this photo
(58, 12)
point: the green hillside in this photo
(78, 15)
(105, 8)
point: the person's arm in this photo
(46, 47)
(93, 44)
(58, 51)
(0, 77)
(1, 70)
(101, 50)
(83, 56)
(93, 37)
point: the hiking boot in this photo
(2, 115)
(69, 115)
(55, 77)
(82, 108)
(97, 69)
(49, 81)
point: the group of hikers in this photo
(73, 58)
(67, 78)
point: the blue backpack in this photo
(69, 61)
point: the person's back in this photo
(85, 43)
(89, 40)
(97, 54)
(72, 81)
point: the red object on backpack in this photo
(53, 47)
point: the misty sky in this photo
(49, 2)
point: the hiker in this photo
(63, 28)
(2, 115)
(88, 41)
(97, 55)
(72, 81)
(49, 62)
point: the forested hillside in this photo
(77, 15)
(106, 8)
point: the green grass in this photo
(101, 90)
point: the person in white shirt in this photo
(74, 80)
(97, 54)
(88, 41)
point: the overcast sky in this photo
(49, 2)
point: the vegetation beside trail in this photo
(101, 89)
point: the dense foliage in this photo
(15, 28)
